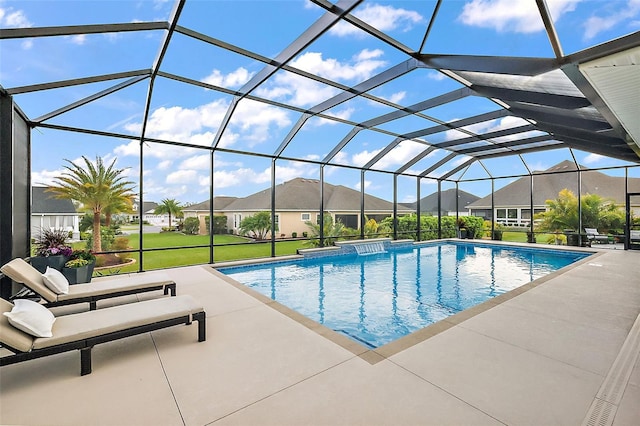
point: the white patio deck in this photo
(542, 356)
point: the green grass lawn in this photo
(228, 247)
(237, 248)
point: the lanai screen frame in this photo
(602, 133)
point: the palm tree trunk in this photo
(97, 237)
(107, 219)
(169, 219)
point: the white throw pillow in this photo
(56, 281)
(31, 317)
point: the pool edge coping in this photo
(373, 356)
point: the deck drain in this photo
(605, 405)
(600, 413)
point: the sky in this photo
(193, 114)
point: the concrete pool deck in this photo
(561, 353)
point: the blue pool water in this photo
(377, 298)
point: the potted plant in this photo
(51, 250)
(462, 230)
(498, 229)
(79, 269)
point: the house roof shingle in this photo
(447, 200)
(301, 194)
(547, 186)
(45, 202)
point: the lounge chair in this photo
(634, 238)
(84, 330)
(594, 236)
(20, 271)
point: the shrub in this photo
(107, 236)
(191, 226)
(294, 234)
(120, 243)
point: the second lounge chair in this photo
(21, 272)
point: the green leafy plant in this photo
(76, 263)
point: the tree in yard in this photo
(169, 206)
(257, 226)
(95, 187)
(597, 212)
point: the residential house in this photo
(48, 212)
(429, 204)
(201, 210)
(147, 213)
(298, 202)
(512, 203)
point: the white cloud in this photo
(45, 177)
(10, 18)
(197, 162)
(593, 158)
(383, 18)
(400, 155)
(397, 97)
(304, 92)
(435, 75)
(232, 80)
(510, 16)
(362, 158)
(487, 127)
(252, 121)
(27, 44)
(344, 114)
(164, 165)
(182, 176)
(597, 24)
(79, 39)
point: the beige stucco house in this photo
(298, 202)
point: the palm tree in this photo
(96, 187)
(120, 204)
(169, 206)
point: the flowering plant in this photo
(51, 242)
(54, 251)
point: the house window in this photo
(317, 218)
(237, 218)
(512, 213)
(501, 213)
(277, 220)
(305, 217)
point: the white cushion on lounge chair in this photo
(96, 288)
(11, 336)
(21, 272)
(31, 317)
(84, 325)
(56, 281)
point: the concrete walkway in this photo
(547, 356)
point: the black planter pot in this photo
(79, 275)
(55, 262)
(497, 235)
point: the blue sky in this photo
(186, 113)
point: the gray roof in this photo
(547, 186)
(302, 194)
(219, 203)
(447, 200)
(45, 202)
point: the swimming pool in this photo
(378, 298)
